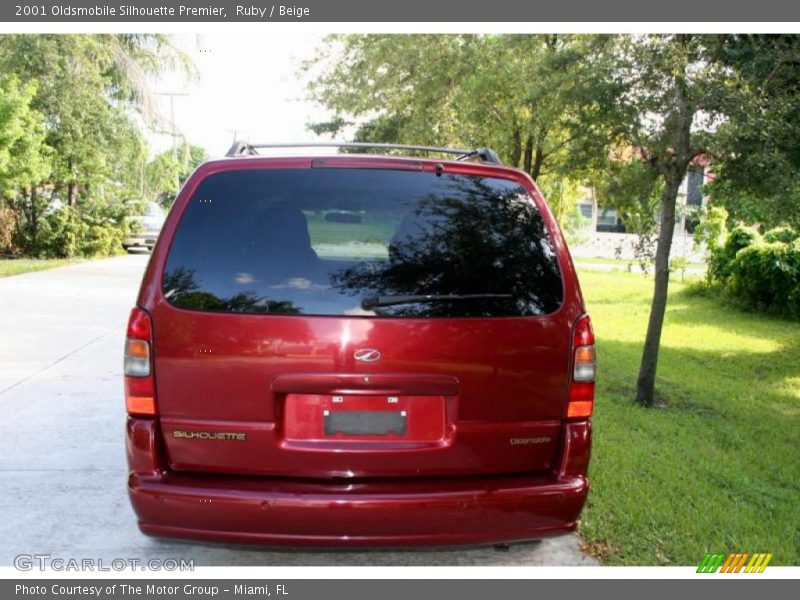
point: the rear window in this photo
(340, 241)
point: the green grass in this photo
(622, 263)
(16, 266)
(717, 467)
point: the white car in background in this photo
(145, 227)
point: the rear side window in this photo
(340, 241)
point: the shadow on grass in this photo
(708, 380)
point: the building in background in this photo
(605, 234)
(691, 200)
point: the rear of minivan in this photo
(359, 350)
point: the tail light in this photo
(580, 401)
(140, 397)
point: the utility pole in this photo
(174, 129)
(236, 133)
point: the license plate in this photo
(364, 422)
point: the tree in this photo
(90, 91)
(136, 58)
(534, 99)
(88, 87)
(168, 170)
(72, 95)
(757, 164)
(677, 92)
(23, 155)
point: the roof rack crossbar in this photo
(241, 148)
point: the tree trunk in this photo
(516, 150)
(71, 188)
(645, 387)
(674, 168)
(538, 160)
(527, 158)
(34, 218)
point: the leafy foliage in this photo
(760, 272)
(67, 232)
(167, 171)
(711, 229)
(757, 154)
(8, 225)
(22, 131)
(721, 260)
(70, 145)
(766, 276)
(634, 189)
(783, 234)
(537, 100)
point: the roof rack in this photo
(484, 154)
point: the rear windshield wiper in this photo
(376, 301)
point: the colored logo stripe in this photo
(710, 563)
(758, 563)
(734, 562)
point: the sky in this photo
(249, 86)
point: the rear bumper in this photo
(419, 512)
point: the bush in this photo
(784, 234)
(102, 240)
(678, 264)
(721, 259)
(106, 229)
(60, 234)
(68, 232)
(711, 231)
(8, 225)
(766, 276)
(761, 273)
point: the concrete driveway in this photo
(62, 459)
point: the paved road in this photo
(62, 463)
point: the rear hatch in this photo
(360, 322)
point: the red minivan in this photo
(354, 350)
